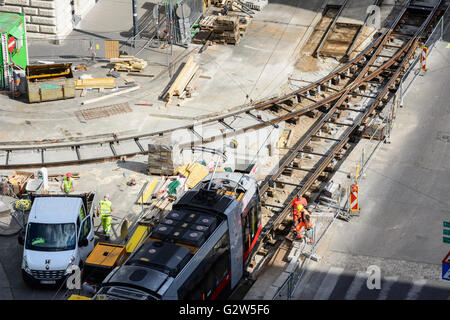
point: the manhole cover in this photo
(102, 112)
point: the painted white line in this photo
(328, 284)
(355, 287)
(386, 286)
(415, 289)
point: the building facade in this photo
(49, 18)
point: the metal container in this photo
(50, 82)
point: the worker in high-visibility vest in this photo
(67, 185)
(295, 208)
(105, 209)
(303, 223)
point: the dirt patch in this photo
(307, 63)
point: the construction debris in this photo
(128, 63)
(16, 183)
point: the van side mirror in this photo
(21, 238)
(83, 242)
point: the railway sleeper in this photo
(331, 167)
(326, 128)
(323, 176)
(293, 120)
(336, 80)
(287, 172)
(296, 163)
(315, 187)
(290, 102)
(312, 114)
(324, 108)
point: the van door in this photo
(86, 237)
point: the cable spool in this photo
(233, 144)
(22, 204)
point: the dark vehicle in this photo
(199, 250)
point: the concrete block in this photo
(48, 29)
(27, 19)
(47, 12)
(42, 20)
(30, 11)
(82, 7)
(49, 4)
(13, 9)
(18, 2)
(32, 28)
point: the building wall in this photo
(49, 18)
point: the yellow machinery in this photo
(102, 260)
(78, 297)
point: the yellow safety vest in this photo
(105, 207)
(67, 185)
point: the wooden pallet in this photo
(207, 23)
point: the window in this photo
(246, 233)
(50, 237)
(202, 283)
(85, 228)
(82, 212)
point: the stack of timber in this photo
(128, 63)
(206, 30)
(160, 160)
(226, 30)
(221, 29)
(184, 79)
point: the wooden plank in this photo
(181, 78)
(185, 80)
(107, 83)
(110, 95)
(111, 48)
(194, 79)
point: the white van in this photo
(59, 233)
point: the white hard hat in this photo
(106, 196)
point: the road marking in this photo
(356, 285)
(415, 289)
(389, 281)
(328, 284)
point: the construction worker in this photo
(67, 185)
(303, 223)
(296, 209)
(105, 209)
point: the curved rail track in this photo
(346, 80)
(386, 60)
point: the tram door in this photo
(250, 227)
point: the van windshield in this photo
(51, 237)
